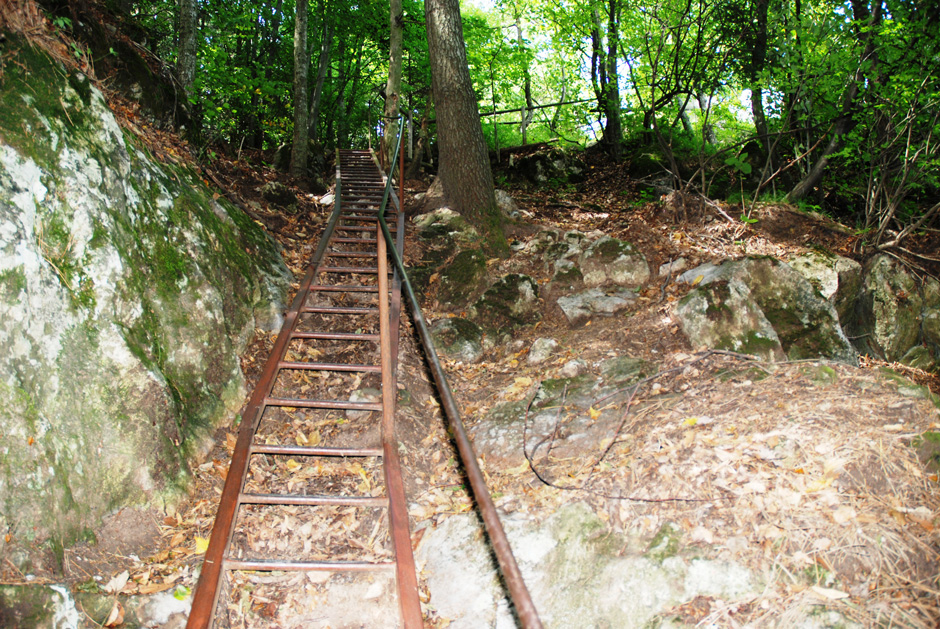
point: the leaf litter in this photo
(818, 484)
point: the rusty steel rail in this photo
(356, 172)
(518, 592)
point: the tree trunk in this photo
(708, 129)
(414, 167)
(298, 154)
(613, 132)
(464, 159)
(553, 125)
(846, 121)
(326, 46)
(529, 112)
(186, 55)
(758, 60)
(340, 112)
(393, 86)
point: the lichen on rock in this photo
(511, 302)
(126, 295)
(761, 306)
(615, 261)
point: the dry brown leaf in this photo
(153, 588)
(116, 617)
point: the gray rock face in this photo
(541, 350)
(580, 307)
(608, 260)
(511, 302)
(126, 295)
(887, 318)
(761, 306)
(507, 206)
(463, 278)
(838, 279)
(508, 429)
(458, 339)
(574, 580)
(278, 194)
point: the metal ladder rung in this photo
(335, 336)
(339, 288)
(329, 404)
(257, 448)
(312, 501)
(337, 310)
(328, 367)
(307, 566)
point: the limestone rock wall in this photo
(126, 294)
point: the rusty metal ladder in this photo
(352, 246)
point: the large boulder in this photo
(511, 302)
(886, 321)
(458, 339)
(761, 306)
(578, 571)
(444, 233)
(126, 295)
(581, 307)
(609, 260)
(837, 278)
(463, 278)
(547, 166)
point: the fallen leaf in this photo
(202, 544)
(153, 588)
(594, 413)
(116, 617)
(819, 484)
(698, 278)
(522, 468)
(843, 514)
(828, 593)
(117, 583)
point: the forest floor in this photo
(853, 437)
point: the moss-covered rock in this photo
(458, 339)
(511, 302)
(462, 279)
(608, 260)
(761, 306)
(887, 319)
(837, 278)
(126, 294)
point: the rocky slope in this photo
(127, 291)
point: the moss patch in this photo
(462, 278)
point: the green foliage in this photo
(686, 69)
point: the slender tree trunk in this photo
(846, 121)
(414, 167)
(529, 112)
(464, 159)
(708, 129)
(613, 133)
(298, 154)
(758, 60)
(393, 86)
(598, 63)
(186, 55)
(340, 111)
(553, 125)
(326, 46)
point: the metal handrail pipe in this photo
(518, 592)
